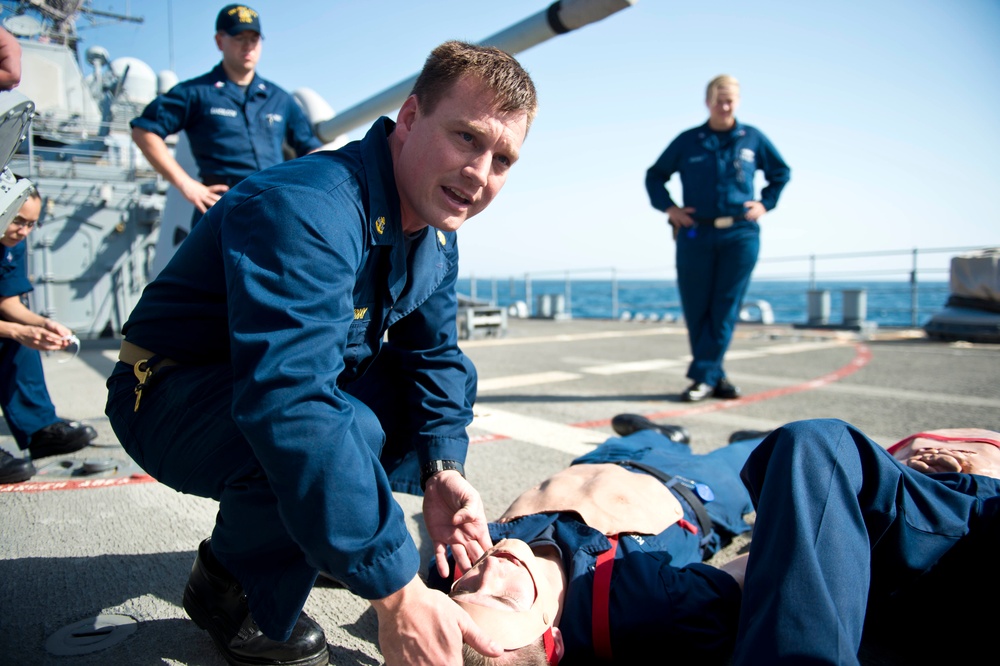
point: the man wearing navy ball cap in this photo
(236, 121)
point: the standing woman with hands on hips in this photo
(716, 230)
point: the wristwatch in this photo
(434, 466)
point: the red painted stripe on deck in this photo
(74, 484)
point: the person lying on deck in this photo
(849, 539)
(641, 508)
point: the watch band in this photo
(434, 466)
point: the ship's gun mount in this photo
(558, 18)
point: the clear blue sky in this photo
(886, 110)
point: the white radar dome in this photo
(167, 80)
(140, 83)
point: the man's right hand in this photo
(202, 196)
(421, 626)
(680, 217)
(155, 150)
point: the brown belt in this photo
(132, 354)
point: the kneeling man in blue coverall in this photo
(297, 360)
(850, 541)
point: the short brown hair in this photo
(498, 70)
(532, 654)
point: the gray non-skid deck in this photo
(116, 546)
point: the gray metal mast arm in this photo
(560, 17)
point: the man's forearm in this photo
(156, 152)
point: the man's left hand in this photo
(754, 210)
(454, 515)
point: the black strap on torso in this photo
(704, 521)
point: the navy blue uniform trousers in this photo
(845, 535)
(713, 272)
(24, 398)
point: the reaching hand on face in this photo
(454, 515)
(419, 626)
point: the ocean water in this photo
(887, 303)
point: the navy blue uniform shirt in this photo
(293, 278)
(14, 271)
(717, 171)
(232, 133)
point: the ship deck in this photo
(116, 546)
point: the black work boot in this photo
(59, 438)
(216, 603)
(626, 424)
(15, 470)
(725, 390)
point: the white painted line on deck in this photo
(600, 335)
(515, 381)
(799, 347)
(741, 355)
(648, 365)
(633, 366)
(568, 439)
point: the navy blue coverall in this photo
(714, 264)
(24, 398)
(285, 403)
(847, 541)
(661, 596)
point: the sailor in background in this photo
(236, 121)
(717, 232)
(24, 398)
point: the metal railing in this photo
(904, 269)
(65, 146)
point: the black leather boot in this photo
(216, 603)
(15, 470)
(626, 424)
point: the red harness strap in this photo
(601, 626)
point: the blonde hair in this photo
(721, 81)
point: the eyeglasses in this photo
(19, 221)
